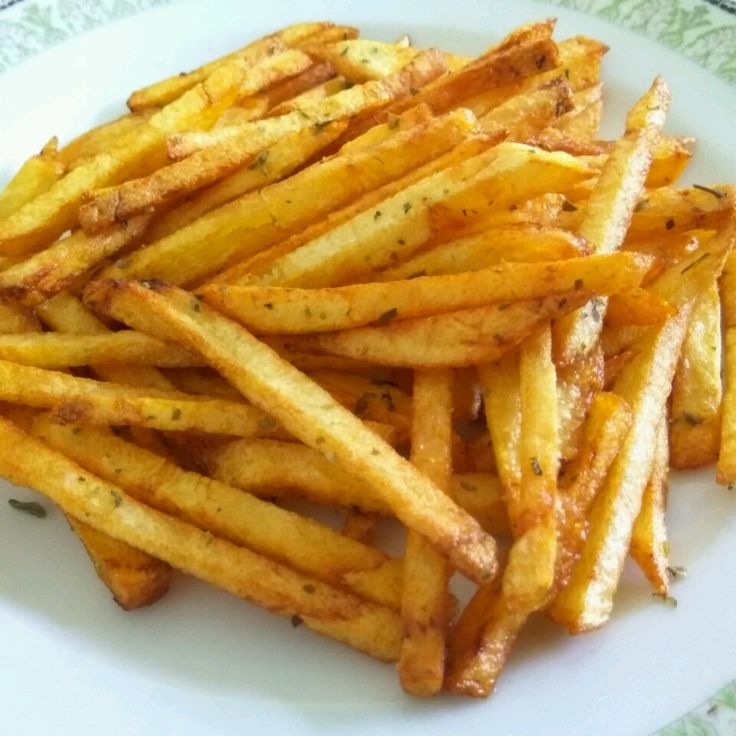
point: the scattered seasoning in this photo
(364, 61)
(118, 470)
(499, 339)
(670, 223)
(301, 112)
(578, 284)
(77, 430)
(407, 207)
(562, 303)
(414, 91)
(416, 274)
(375, 451)
(388, 400)
(670, 601)
(536, 467)
(468, 486)
(28, 507)
(393, 121)
(344, 51)
(676, 571)
(309, 588)
(384, 382)
(712, 710)
(176, 414)
(394, 256)
(296, 621)
(116, 499)
(692, 419)
(376, 214)
(196, 306)
(640, 205)
(320, 125)
(259, 160)
(401, 241)
(568, 206)
(347, 84)
(717, 194)
(387, 316)
(695, 263)
(81, 479)
(363, 403)
(596, 305)
(539, 61)
(503, 307)
(512, 207)
(268, 305)
(307, 312)
(267, 424)
(561, 108)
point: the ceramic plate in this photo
(202, 662)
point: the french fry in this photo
(610, 209)
(312, 96)
(366, 626)
(229, 513)
(314, 417)
(449, 340)
(275, 163)
(246, 225)
(697, 391)
(55, 269)
(170, 183)
(637, 306)
(51, 350)
(649, 546)
(134, 578)
(357, 100)
(361, 60)
(514, 243)
(36, 176)
(726, 467)
(360, 526)
(277, 310)
(425, 600)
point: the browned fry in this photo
(134, 578)
(308, 412)
(310, 97)
(366, 626)
(360, 526)
(726, 469)
(425, 601)
(637, 306)
(649, 546)
(695, 409)
(55, 269)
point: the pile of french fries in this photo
(384, 278)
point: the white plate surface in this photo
(202, 662)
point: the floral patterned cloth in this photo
(702, 30)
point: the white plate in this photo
(200, 661)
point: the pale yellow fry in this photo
(277, 310)
(611, 206)
(425, 603)
(368, 627)
(649, 546)
(309, 413)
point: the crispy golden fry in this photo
(202, 381)
(51, 350)
(309, 413)
(102, 138)
(275, 163)
(515, 244)
(602, 435)
(246, 225)
(260, 266)
(15, 320)
(530, 569)
(311, 97)
(315, 76)
(481, 642)
(524, 116)
(726, 471)
(170, 183)
(584, 119)
(649, 546)
(610, 208)
(44, 274)
(229, 513)
(355, 101)
(36, 176)
(671, 157)
(450, 340)
(278, 310)
(360, 526)
(134, 578)
(425, 600)
(361, 60)
(521, 54)
(366, 626)
(695, 409)
(404, 223)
